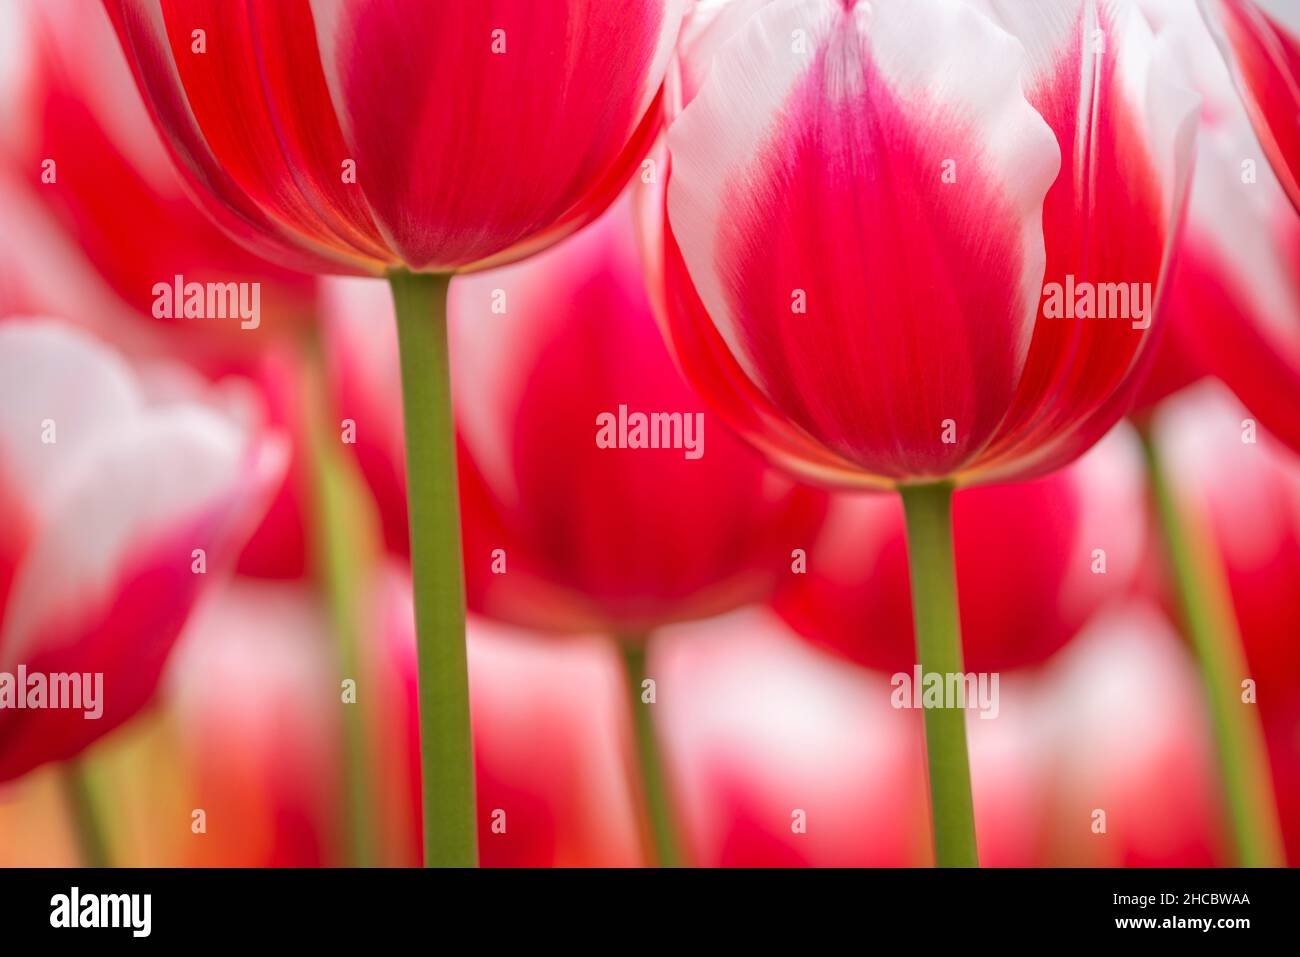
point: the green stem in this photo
(1205, 606)
(339, 565)
(447, 761)
(664, 846)
(928, 509)
(79, 792)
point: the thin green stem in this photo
(928, 509)
(446, 749)
(340, 562)
(79, 792)
(662, 827)
(1205, 606)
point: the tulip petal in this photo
(269, 167)
(809, 199)
(1261, 39)
(107, 580)
(1102, 83)
(59, 393)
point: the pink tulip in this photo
(92, 233)
(596, 533)
(1124, 717)
(114, 514)
(1261, 40)
(760, 728)
(1233, 303)
(1066, 545)
(97, 212)
(347, 136)
(875, 210)
(781, 756)
(255, 703)
(589, 538)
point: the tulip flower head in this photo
(593, 477)
(357, 137)
(570, 522)
(916, 241)
(114, 515)
(1233, 306)
(1261, 41)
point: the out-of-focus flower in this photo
(97, 217)
(114, 514)
(550, 739)
(86, 173)
(781, 756)
(1233, 302)
(1243, 489)
(893, 254)
(1261, 41)
(358, 137)
(1034, 562)
(568, 524)
(255, 704)
(785, 758)
(1127, 737)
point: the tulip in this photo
(1237, 494)
(411, 141)
(99, 216)
(580, 512)
(569, 525)
(1233, 303)
(80, 148)
(884, 241)
(114, 515)
(1068, 544)
(254, 701)
(435, 138)
(573, 523)
(786, 758)
(783, 757)
(1261, 41)
(1126, 764)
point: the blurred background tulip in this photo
(563, 531)
(98, 216)
(117, 513)
(1233, 303)
(1100, 758)
(1067, 545)
(1261, 41)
